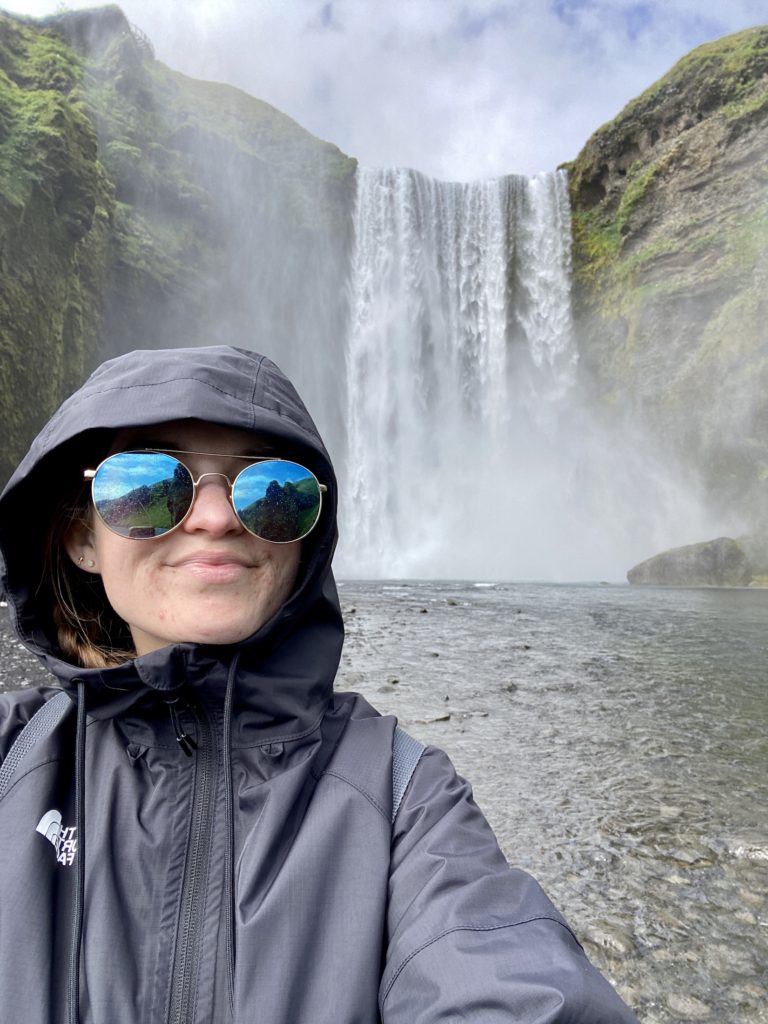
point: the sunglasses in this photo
(147, 494)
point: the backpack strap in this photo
(43, 722)
(406, 754)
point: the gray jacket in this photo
(260, 878)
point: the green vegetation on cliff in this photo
(139, 207)
(647, 146)
(52, 243)
(670, 226)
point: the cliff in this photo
(670, 215)
(139, 208)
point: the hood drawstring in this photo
(184, 740)
(229, 827)
(79, 899)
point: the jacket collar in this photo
(284, 678)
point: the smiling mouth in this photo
(213, 568)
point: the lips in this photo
(213, 567)
(211, 558)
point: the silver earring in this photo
(81, 559)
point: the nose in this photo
(212, 510)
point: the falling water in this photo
(458, 359)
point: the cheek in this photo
(125, 572)
(287, 571)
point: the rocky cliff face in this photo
(670, 206)
(140, 208)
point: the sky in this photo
(459, 89)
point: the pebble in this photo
(676, 879)
(611, 937)
(756, 899)
(745, 917)
(691, 855)
(668, 812)
(687, 1006)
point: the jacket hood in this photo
(222, 385)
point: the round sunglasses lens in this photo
(142, 494)
(277, 501)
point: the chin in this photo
(230, 635)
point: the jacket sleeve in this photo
(469, 938)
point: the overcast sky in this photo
(459, 89)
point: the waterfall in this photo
(458, 360)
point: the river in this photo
(617, 739)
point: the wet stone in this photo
(688, 1007)
(610, 937)
(692, 855)
(755, 899)
(677, 879)
(745, 917)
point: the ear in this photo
(79, 543)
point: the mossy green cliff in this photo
(121, 186)
(670, 216)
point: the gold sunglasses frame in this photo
(90, 474)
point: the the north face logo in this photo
(64, 839)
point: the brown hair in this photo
(88, 630)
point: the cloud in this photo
(458, 89)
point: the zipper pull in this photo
(185, 741)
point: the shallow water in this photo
(617, 739)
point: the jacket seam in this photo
(470, 928)
(41, 764)
(159, 383)
(371, 799)
(254, 386)
(282, 737)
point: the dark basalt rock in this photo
(714, 563)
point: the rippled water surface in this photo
(617, 739)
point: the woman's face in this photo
(210, 581)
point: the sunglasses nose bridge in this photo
(197, 481)
(208, 509)
(202, 476)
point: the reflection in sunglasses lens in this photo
(277, 501)
(146, 494)
(141, 494)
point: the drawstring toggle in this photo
(185, 741)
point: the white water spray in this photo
(459, 353)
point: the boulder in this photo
(714, 563)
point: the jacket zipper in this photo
(192, 905)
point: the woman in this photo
(205, 835)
